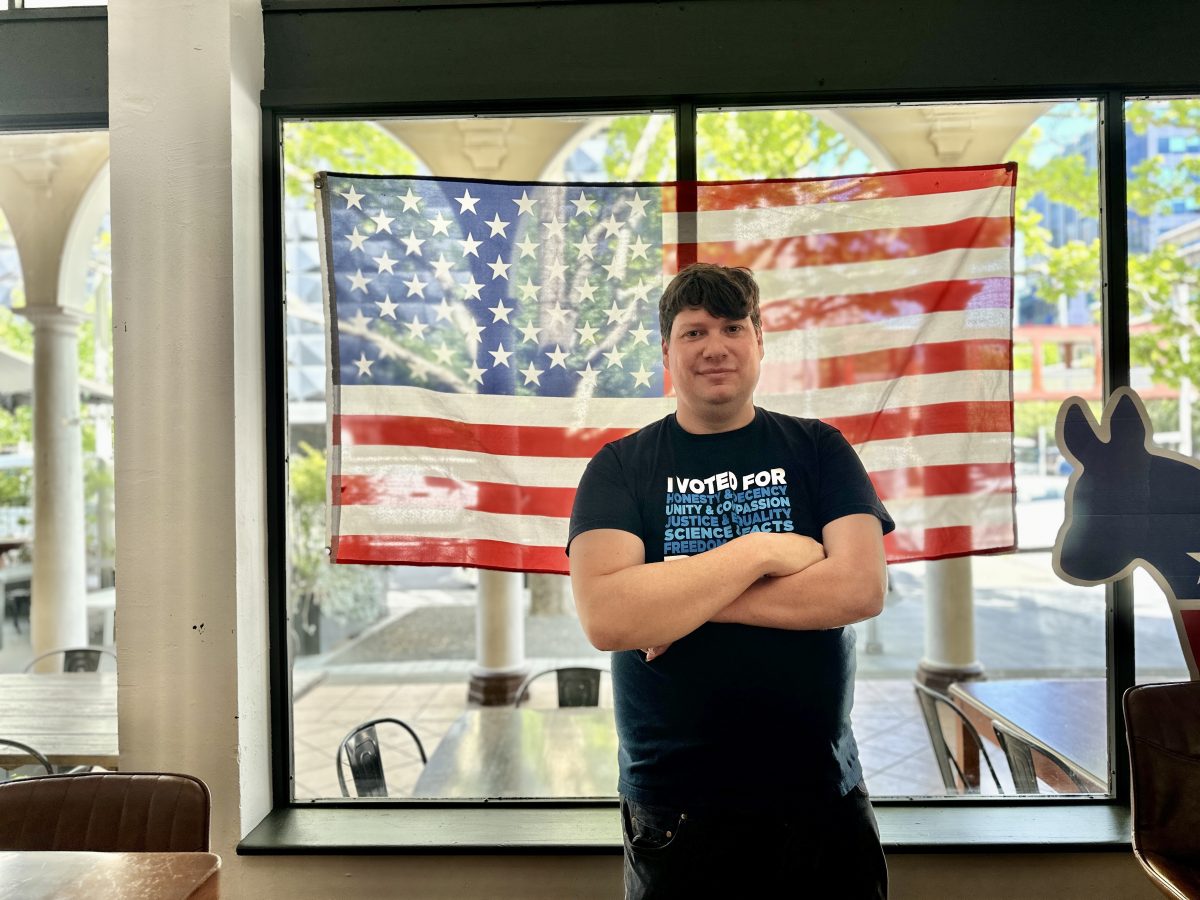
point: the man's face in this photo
(714, 362)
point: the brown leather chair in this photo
(1163, 722)
(108, 811)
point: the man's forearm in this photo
(828, 594)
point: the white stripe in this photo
(883, 274)
(489, 409)
(420, 462)
(568, 412)
(952, 510)
(887, 334)
(936, 450)
(974, 386)
(840, 216)
(453, 522)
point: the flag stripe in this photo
(437, 492)
(786, 347)
(804, 192)
(837, 217)
(861, 309)
(939, 543)
(951, 510)
(852, 246)
(897, 484)
(434, 551)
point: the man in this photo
(721, 554)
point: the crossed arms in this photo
(768, 580)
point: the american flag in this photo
(486, 338)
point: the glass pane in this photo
(1036, 639)
(400, 642)
(55, 253)
(1163, 193)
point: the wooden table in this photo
(71, 718)
(507, 752)
(1070, 716)
(69, 875)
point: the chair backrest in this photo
(1163, 729)
(33, 754)
(577, 685)
(129, 812)
(933, 704)
(75, 659)
(361, 750)
(1020, 753)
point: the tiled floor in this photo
(893, 742)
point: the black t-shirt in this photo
(731, 715)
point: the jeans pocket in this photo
(649, 829)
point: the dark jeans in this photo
(823, 850)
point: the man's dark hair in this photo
(722, 291)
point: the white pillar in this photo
(499, 639)
(949, 624)
(58, 609)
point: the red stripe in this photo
(936, 481)
(884, 365)
(450, 493)
(499, 440)
(856, 309)
(421, 551)
(933, 418)
(942, 543)
(858, 246)
(793, 192)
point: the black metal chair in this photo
(361, 749)
(1019, 752)
(35, 756)
(75, 659)
(1163, 722)
(953, 777)
(577, 685)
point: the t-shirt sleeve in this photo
(845, 486)
(603, 498)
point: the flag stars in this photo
(585, 247)
(472, 288)
(558, 357)
(443, 354)
(611, 226)
(642, 291)
(500, 312)
(525, 205)
(555, 269)
(384, 262)
(641, 334)
(586, 291)
(499, 268)
(470, 246)
(416, 328)
(382, 222)
(583, 204)
(416, 287)
(587, 333)
(557, 314)
(614, 269)
(531, 333)
(360, 322)
(441, 268)
(616, 313)
(410, 201)
(637, 206)
(466, 202)
(532, 374)
(474, 374)
(641, 378)
(359, 282)
(412, 244)
(356, 240)
(528, 291)
(497, 225)
(472, 331)
(587, 377)
(527, 247)
(554, 228)
(364, 364)
(440, 224)
(443, 311)
(637, 250)
(500, 356)
(614, 357)
(353, 198)
(386, 307)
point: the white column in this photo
(949, 623)
(58, 610)
(499, 638)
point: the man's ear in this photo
(666, 356)
(758, 334)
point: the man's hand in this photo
(653, 652)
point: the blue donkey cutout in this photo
(1130, 503)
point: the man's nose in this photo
(715, 347)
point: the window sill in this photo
(1053, 827)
